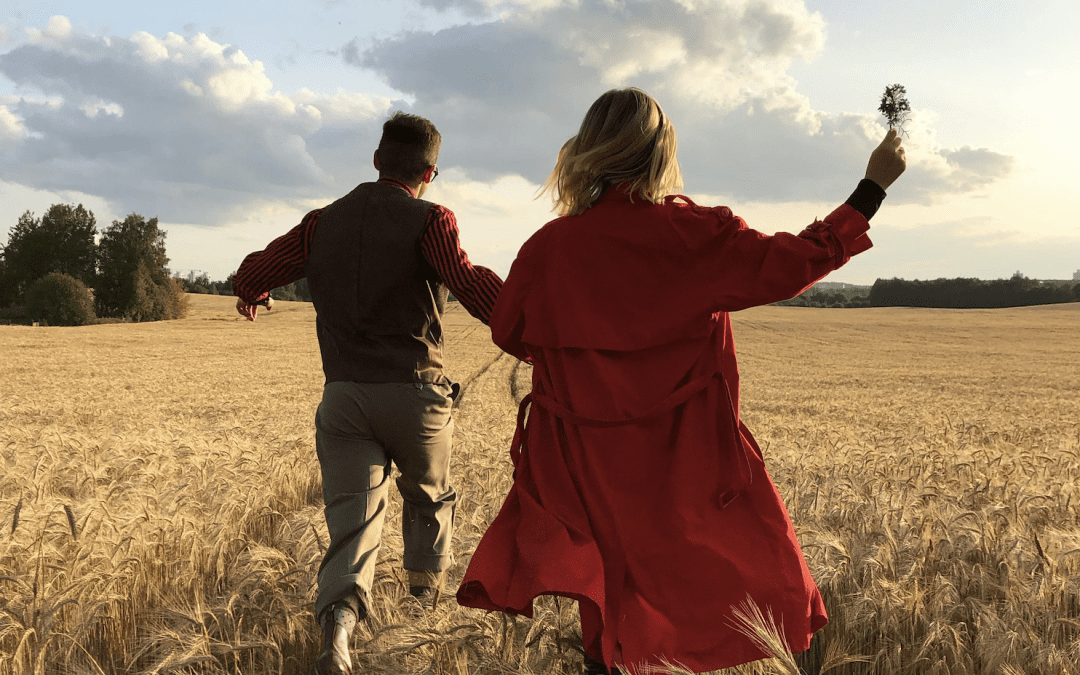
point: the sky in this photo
(228, 123)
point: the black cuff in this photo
(867, 198)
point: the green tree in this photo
(200, 285)
(296, 291)
(60, 300)
(8, 292)
(287, 292)
(62, 241)
(203, 282)
(153, 300)
(133, 274)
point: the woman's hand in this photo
(887, 161)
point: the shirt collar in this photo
(394, 181)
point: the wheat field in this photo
(160, 502)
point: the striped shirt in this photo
(283, 262)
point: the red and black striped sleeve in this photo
(474, 286)
(280, 263)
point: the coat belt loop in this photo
(519, 433)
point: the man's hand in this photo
(887, 161)
(247, 311)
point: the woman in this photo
(637, 490)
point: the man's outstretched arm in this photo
(280, 263)
(476, 287)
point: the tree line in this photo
(58, 270)
(959, 293)
(1017, 291)
(296, 291)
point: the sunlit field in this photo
(160, 501)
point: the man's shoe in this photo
(424, 584)
(594, 667)
(338, 621)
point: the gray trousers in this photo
(360, 428)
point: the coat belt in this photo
(672, 400)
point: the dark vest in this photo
(378, 302)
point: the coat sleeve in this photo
(758, 269)
(508, 316)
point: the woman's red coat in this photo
(637, 490)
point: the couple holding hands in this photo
(637, 490)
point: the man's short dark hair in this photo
(409, 145)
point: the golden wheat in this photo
(929, 458)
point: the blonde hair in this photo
(624, 138)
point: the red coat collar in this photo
(616, 193)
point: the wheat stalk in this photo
(915, 527)
(71, 522)
(15, 516)
(764, 632)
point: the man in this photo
(379, 262)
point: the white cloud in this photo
(186, 129)
(497, 8)
(645, 51)
(149, 48)
(193, 131)
(11, 127)
(56, 30)
(971, 167)
(507, 92)
(93, 106)
(190, 87)
(934, 171)
(59, 28)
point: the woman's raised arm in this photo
(760, 269)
